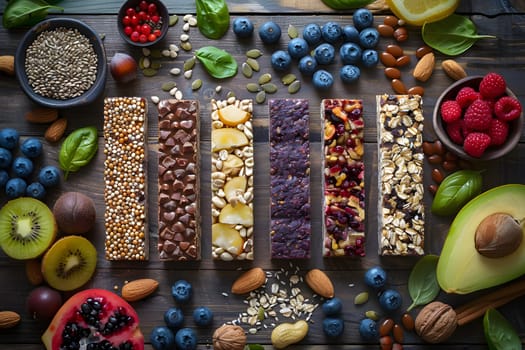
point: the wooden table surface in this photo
(505, 54)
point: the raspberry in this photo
(476, 143)
(454, 131)
(507, 108)
(498, 132)
(492, 85)
(478, 116)
(466, 96)
(450, 111)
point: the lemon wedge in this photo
(419, 12)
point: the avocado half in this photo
(461, 269)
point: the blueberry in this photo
(4, 176)
(15, 187)
(36, 190)
(9, 138)
(307, 65)
(186, 339)
(332, 307)
(332, 32)
(49, 176)
(363, 18)
(5, 158)
(270, 32)
(368, 38)
(281, 60)
(31, 147)
(324, 53)
(333, 326)
(349, 73)
(162, 338)
(312, 34)
(350, 34)
(390, 300)
(350, 53)
(242, 27)
(202, 316)
(181, 291)
(174, 317)
(368, 329)
(298, 47)
(22, 167)
(369, 58)
(375, 277)
(322, 79)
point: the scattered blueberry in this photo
(181, 291)
(363, 18)
(350, 34)
(369, 58)
(49, 176)
(242, 27)
(332, 32)
(281, 60)
(375, 277)
(270, 32)
(174, 317)
(349, 73)
(332, 307)
(368, 329)
(368, 38)
(324, 53)
(36, 190)
(15, 187)
(350, 53)
(22, 167)
(202, 316)
(333, 326)
(186, 339)
(322, 79)
(9, 138)
(5, 158)
(390, 300)
(307, 65)
(162, 338)
(298, 47)
(31, 147)
(312, 34)
(4, 176)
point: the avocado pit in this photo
(498, 235)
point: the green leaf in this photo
(423, 286)
(452, 35)
(499, 333)
(254, 347)
(218, 63)
(346, 4)
(455, 191)
(213, 18)
(22, 13)
(78, 149)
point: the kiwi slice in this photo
(27, 228)
(69, 263)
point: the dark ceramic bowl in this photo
(89, 95)
(515, 126)
(162, 11)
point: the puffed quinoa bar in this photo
(125, 178)
(400, 158)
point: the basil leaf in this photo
(455, 191)
(20, 13)
(452, 35)
(499, 333)
(346, 4)
(218, 63)
(78, 149)
(213, 18)
(254, 347)
(423, 286)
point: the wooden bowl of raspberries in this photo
(479, 117)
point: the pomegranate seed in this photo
(152, 37)
(135, 20)
(143, 5)
(143, 15)
(135, 36)
(152, 8)
(128, 30)
(143, 38)
(155, 18)
(126, 20)
(145, 29)
(157, 32)
(130, 11)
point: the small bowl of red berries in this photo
(479, 118)
(143, 22)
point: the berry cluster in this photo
(142, 23)
(479, 119)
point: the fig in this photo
(123, 67)
(74, 213)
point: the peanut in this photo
(287, 334)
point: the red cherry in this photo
(152, 8)
(138, 28)
(152, 37)
(143, 38)
(128, 30)
(126, 20)
(157, 32)
(155, 18)
(143, 5)
(145, 29)
(143, 15)
(135, 36)
(135, 20)
(130, 11)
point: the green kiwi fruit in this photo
(27, 228)
(69, 263)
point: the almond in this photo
(453, 69)
(424, 68)
(42, 115)
(320, 283)
(56, 130)
(8, 319)
(34, 272)
(7, 64)
(139, 289)
(248, 281)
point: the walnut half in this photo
(436, 322)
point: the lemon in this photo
(419, 12)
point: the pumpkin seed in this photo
(178, 95)
(155, 64)
(230, 94)
(252, 87)
(146, 52)
(265, 78)
(175, 71)
(260, 313)
(254, 53)
(253, 63)
(146, 62)
(149, 72)
(141, 62)
(184, 37)
(247, 71)
(186, 46)
(361, 298)
(260, 97)
(189, 63)
(371, 314)
(294, 87)
(218, 88)
(173, 20)
(270, 88)
(168, 86)
(288, 78)
(196, 84)
(155, 99)
(292, 32)
(188, 73)
(156, 53)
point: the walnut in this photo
(229, 337)
(436, 322)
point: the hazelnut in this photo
(74, 213)
(498, 235)
(436, 322)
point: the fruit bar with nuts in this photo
(178, 180)
(125, 178)
(232, 171)
(343, 179)
(290, 227)
(400, 162)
